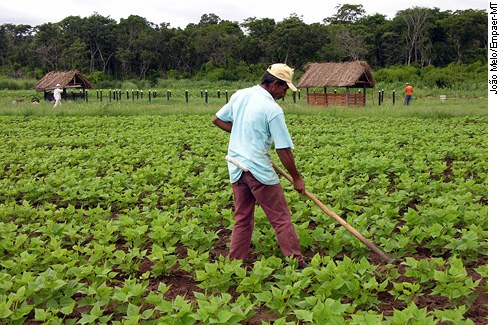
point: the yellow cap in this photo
(283, 72)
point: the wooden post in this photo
(187, 96)
(307, 95)
(149, 95)
(206, 96)
(364, 94)
(326, 97)
(393, 97)
(218, 93)
(346, 97)
(227, 97)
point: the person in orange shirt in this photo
(408, 92)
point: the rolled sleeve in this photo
(279, 133)
(225, 113)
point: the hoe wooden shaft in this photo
(332, 214)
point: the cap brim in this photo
(291, 86)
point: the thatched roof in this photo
(356, 74)
(67, 79)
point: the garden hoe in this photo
(332, 214)
(346, 225)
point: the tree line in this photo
(218, 49)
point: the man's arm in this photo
(287, 159)
(226, 126)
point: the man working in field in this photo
(408, 94)
(57, 95)
(255, 120)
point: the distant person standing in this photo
(408, 94)
(57, 95)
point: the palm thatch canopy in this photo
(67, 79)
(355, 74)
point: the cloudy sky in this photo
(179, 13)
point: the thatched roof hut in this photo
(355, 74)
(70, 79)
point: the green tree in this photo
(296, 43)
(216, 48)
(346, 14)
(165, 34)
(137, 44)
(415, 23)
(100, 36)
(16, 42)
(181, 52)
(73, 57)
(48, 46)
(218, 41)
(74, 53)
(466, 32)
(374, 28)
(258, 46)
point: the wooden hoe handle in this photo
(332, 214)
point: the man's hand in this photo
(299, 186)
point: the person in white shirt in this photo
(57, 95)
(255, 121)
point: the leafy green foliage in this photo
(101, 217)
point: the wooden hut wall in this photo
(333, 99)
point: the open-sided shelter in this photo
(351, 75)
(72, 82)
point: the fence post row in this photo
(116, 94)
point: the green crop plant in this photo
(454, 283)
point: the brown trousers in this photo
(247, 191)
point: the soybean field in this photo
(122, 214)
